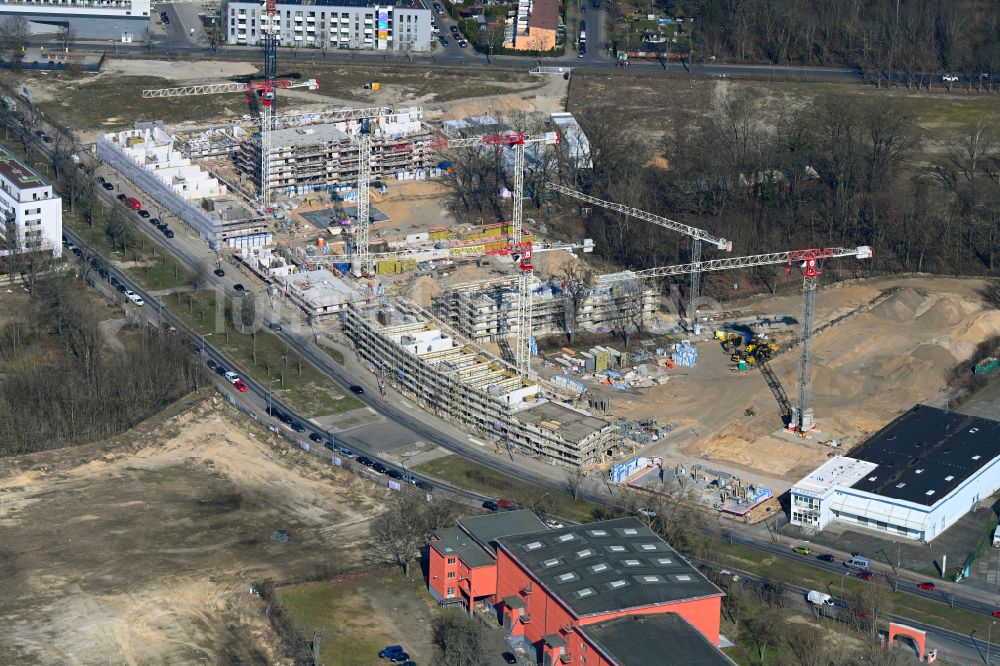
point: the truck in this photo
(819, 598)
(996, 537)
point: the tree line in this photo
(65, 388)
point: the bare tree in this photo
(626, 309)
(66, 36)
(398, 533)
(807, 645)
(763, 628)
(574, 479)
(459, 640)
(576, 280)
(14, 32)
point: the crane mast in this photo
(270, 27)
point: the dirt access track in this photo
(143, 550)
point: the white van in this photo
(819, 598)
(134, 297)
(232, 377)
(859, 563)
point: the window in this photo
(451, 560)
(451, 592)
(451, 574)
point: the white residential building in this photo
(154, 149)
(124, 20)
(339, 24)
(32, 212)
(913, 479)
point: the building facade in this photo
(536, 25)
(336, 24)
(125, 20)
(610, 593)
(913, 479)
(32, 212)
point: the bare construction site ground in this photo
(143, 550)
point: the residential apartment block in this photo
(314, 157)
(454, 379)
(610, 593)
(536, 25)
(32, 213)
(89, 19)
(336, 24)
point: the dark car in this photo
(444, 41)
(274, 326)
(423, 485)
(379, 467)
(77, 251)
(490, 505)
(285, 418)
(390, 651)
(316, 437)
(212, 364)
(100, 179)
(347, 453)
(155, 221)
(239, 287)
(143, 213)
(509, 658)
(826, 557)
(583, 9)
(168, 233)
(330, 445)
(401, 657)
(357, 390)
(219, 272)
(394, 474)
(366, 461)
(108, 186)
(120, 287)
(159, 225)
(47, 139)
(220, 370)
(273, 411)
(122, 197)
(297, 427)
(866, 575)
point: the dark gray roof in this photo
(608, 566)
(569, 424)
(485, 529)
(926, 453)
(641, 640)
(453, 541)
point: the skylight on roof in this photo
(597, 533)
(617, 584)
(617, 548)
(929, 493)
(949, 477)
(534, 545)
(563, 538)
(663, 561)
(919, 471)
(551, 563)
(872, 478)
(682, 578)
(586, 552)
(900, 485)
(631, 563)
(585, 592)
(650, 579)
(566, 577)
(648, 546)
(598, 568)
(977, 457)
(630, 531)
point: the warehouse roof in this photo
(453, 541)
(571, 425)
(486, 528)
(926, 453)
(639, 640)
(607, 566)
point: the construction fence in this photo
(208, 229)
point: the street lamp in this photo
(270, 390)
(117, 38)
(988, 630)
(203, 336)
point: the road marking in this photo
(476, 441)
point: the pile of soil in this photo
(901, 306)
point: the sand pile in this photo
(554, 263)
(946, 311)
(422, 290)
(901, 306)
(983, 326)
(828, 382)
(937, 355)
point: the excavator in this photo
(731, 338)
(756, 350)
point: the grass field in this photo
(478, 478)
(269, 360)
(362, 614)
(814, 578)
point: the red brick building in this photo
(610, 593)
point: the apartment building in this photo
(609, 593)
(315, 157)
(536, 25)
(90, 19)
(459, 381)
(491, 314)
(336, 24)
(32, 212)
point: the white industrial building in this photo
(32, 212)
(573, 140)
(124, 20)
(913, 479)
(339, 24)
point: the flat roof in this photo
(640, 640)
(839, 471)
(569, 424)
(926, 453)
(21, 176)
(608, 566)
(307, 136)
(453, 541)
(319, 287)
(402, 4)
(487, 528)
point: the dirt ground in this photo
(142, 550)
(867, 370)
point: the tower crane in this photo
(270, 28)
(696, 235)
(809, 261)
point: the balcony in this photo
(566, 658)
(526, 618)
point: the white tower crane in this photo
(809, 261)
(696, 235)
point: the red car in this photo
(866, 575)
(927, 586)
(996, 613)
(505, 504)
(133, 203)
(240, 386)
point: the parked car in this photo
(122, 197)
(949, 78)
(802, 550)
(506, 504)
(553, 524)
(274, 326)
(212, 365)
(241, 386)
(444, 41)
(143, 213)
(394, 474)
(239, 287)
(47, 139)
(826, 557)
(155, 221)
(232, 377)
(390, 651)
(316, 437)
(347, 453)
(462, 43)
(357, 390)
(454, 29)
(509, 658)
(379, 467)
(168, 233)
(219, 272)
(490, 505)
(107, 186)
(866, 575)
(297, 427)
(583, 9)
(423, 485)
(401, 657)
(366, 461)
(134, 297)
(649, 513)
(996, 613)
(133, 203)
(438, 8)
(927, 585)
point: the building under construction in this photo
(490, 314)
(455, 379)
(317, 157)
